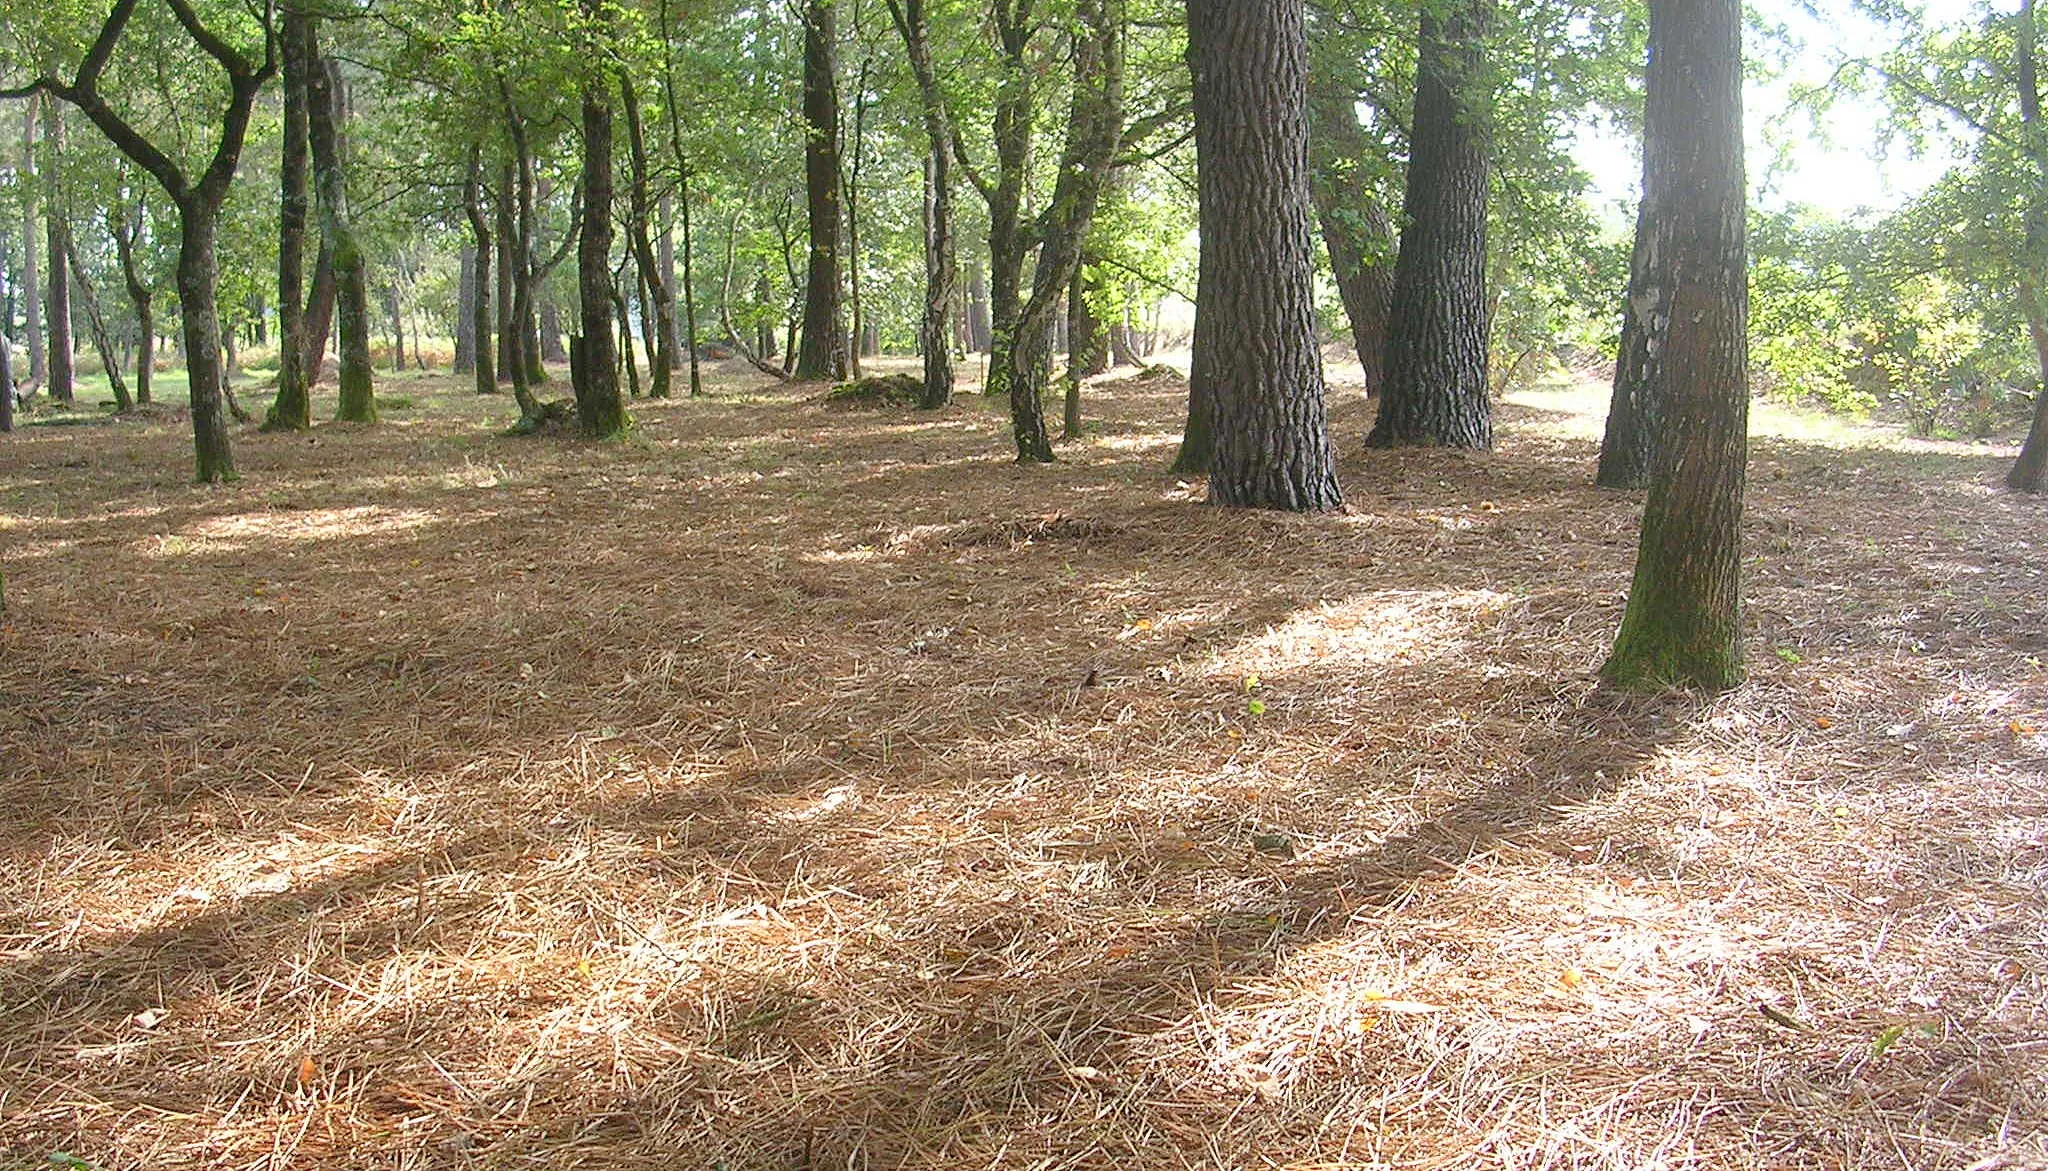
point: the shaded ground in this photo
(790, 788)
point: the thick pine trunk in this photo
(1256, 363)
(823, 353)
(1436, 388)
(326, 113)
(292, 410)
(600, 410)
(1683, 623)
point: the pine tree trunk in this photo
(600, 410)
(1628, 446)
(1683, 623)
(31, 270)
(326, 114)
(506, 233)
(1356, 230)
(56, 278)
(1436, 388)
(823, 353)
(213, 452)
(2030, 472)
(1256, 362)
(465, 313)
(292, 410)
(941, 266)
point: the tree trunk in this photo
(823, 354)
(1094, 130)
(1008, 242)
(292, 410)
(140, 296)
(319, 314)
(941, 270)
(465, 314)
(599, 409)
(551, 347)
(1628, 446)
(661, 353)
(214, 459)
(57, 278)
(506, 334)
(1356, 230)
(2030, 472)
(980, 330)
(31, 274)
(6, 383)
(1256, 364)
(1683, 623)
(326, 115)
(1436, 388)
(96, 326)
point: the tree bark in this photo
(600, 411)
(292, 410)
(1256, 363)
(6, 385)
(1356, 230)
(2030, 472)
(980, 328)
(1628, 445)
(96, 326)
(661, 358)
(941, 268)
(823, 353)
(502, 201)
(140, 295)
(1683, 623)
(1436, 388)
(57, 279)
(31, 269)
(465, 313)
(1008, 241)
(326, 115)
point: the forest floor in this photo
(785, 787)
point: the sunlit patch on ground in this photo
(793, 788)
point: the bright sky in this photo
(1838, 162)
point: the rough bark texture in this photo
(502, 317)
(1436, 389)
(1357, 232)
(57, 333)
(292, 410)
(1256, 363)
(1087, 345)
(319, 315)
(1008, 241)
(1094, 130)
(600, 410)
(1683, 624)
(465, 313)
(326, 113)
(823, 351)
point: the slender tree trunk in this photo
(292, 410)
(980, 329)
(1628, 446)
(823, 355)
(1436, 388)
(661, 351)
(1095, 128)
(31, 274)
(140, 295)
(1356, 230)
(57, 280)
(1683, 623)
(397, 330)
(327, 114)
(941, 270)
(599, 409)
(1256, 363)
(506, 334)
(320, 314)
(1008, 241)
(465, 313)
(96, 326)
(6, 382)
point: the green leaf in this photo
(1885, 1040)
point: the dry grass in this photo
(787, 788)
